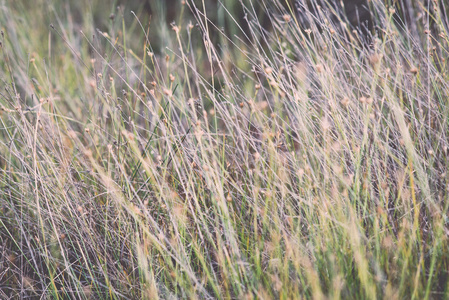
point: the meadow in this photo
(223, 150)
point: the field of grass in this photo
(216, 158)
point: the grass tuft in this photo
(246, 150)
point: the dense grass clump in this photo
(285, 154)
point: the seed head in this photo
(229, 198)
(167, 92)
(256, 156)
(175, 29)
(345, 101)
(414, 70)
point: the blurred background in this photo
(89, 15)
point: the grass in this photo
(219, 158)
